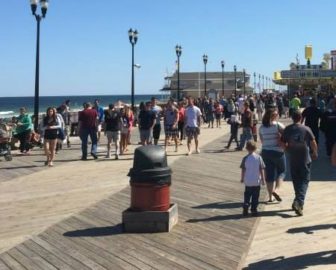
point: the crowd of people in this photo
(257, 116)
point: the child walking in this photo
(234, 126)
(252, 175)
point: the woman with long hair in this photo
(50, 127)
(272, 152)
(130, 116)
(124, 131)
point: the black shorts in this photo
(156, 131)
(170, 131)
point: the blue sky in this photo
(85, 48)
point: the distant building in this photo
(192, 84)
(309, 78)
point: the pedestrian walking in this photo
(125, 120)
(23, 130)
(112, 128)
(299, 141)
(64, 111)
(247, 125)
(130, 116)
(51, 126)
(147, 120)
(170, 120)
(87, 121)
(100, 111)
(252, 175)
(311, 118)
(157, 110)
(192, 121)
(234, 127)
(209, 110)
(294, 104)
(272, 152)
(181, 111)
(218, 113)
(260, 108)
(328, 126)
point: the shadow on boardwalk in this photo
(296, 262)
(96, 231)
(281, 213)
(312, 229)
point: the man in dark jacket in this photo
(328, 126)
(311, 117)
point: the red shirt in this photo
(88, 118)
(181, 112)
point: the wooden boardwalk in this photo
(211, 233)
(307, 242)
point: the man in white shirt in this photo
(192, 122)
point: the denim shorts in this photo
(275, 163)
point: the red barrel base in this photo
(150, 197)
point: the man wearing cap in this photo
(302, 149)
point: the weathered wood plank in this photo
(11, 262)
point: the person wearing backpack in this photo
(302, 149)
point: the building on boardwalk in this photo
(192, 84)
(309, 79)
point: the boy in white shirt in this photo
(252, 174)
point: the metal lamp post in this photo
(223, 65)
(38, 17)
(259, 83)
(254, 81)
(235, 80)
(178, 50)
(267, 83)
(133, 38)
(263, 83)
(244, 85)
(205, 61)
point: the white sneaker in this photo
(189, 153)
(198, 151)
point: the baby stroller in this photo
(5, 138)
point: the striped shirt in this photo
(270, 136)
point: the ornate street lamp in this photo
(205, 61)
(235, 81)
(259, 83)
(38, 17)
(133, 38)
(254, 82)
(178, 50)
(223, 65)
(244, 85)
(263, 84)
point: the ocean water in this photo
(9, 106)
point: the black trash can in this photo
(150, 179)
